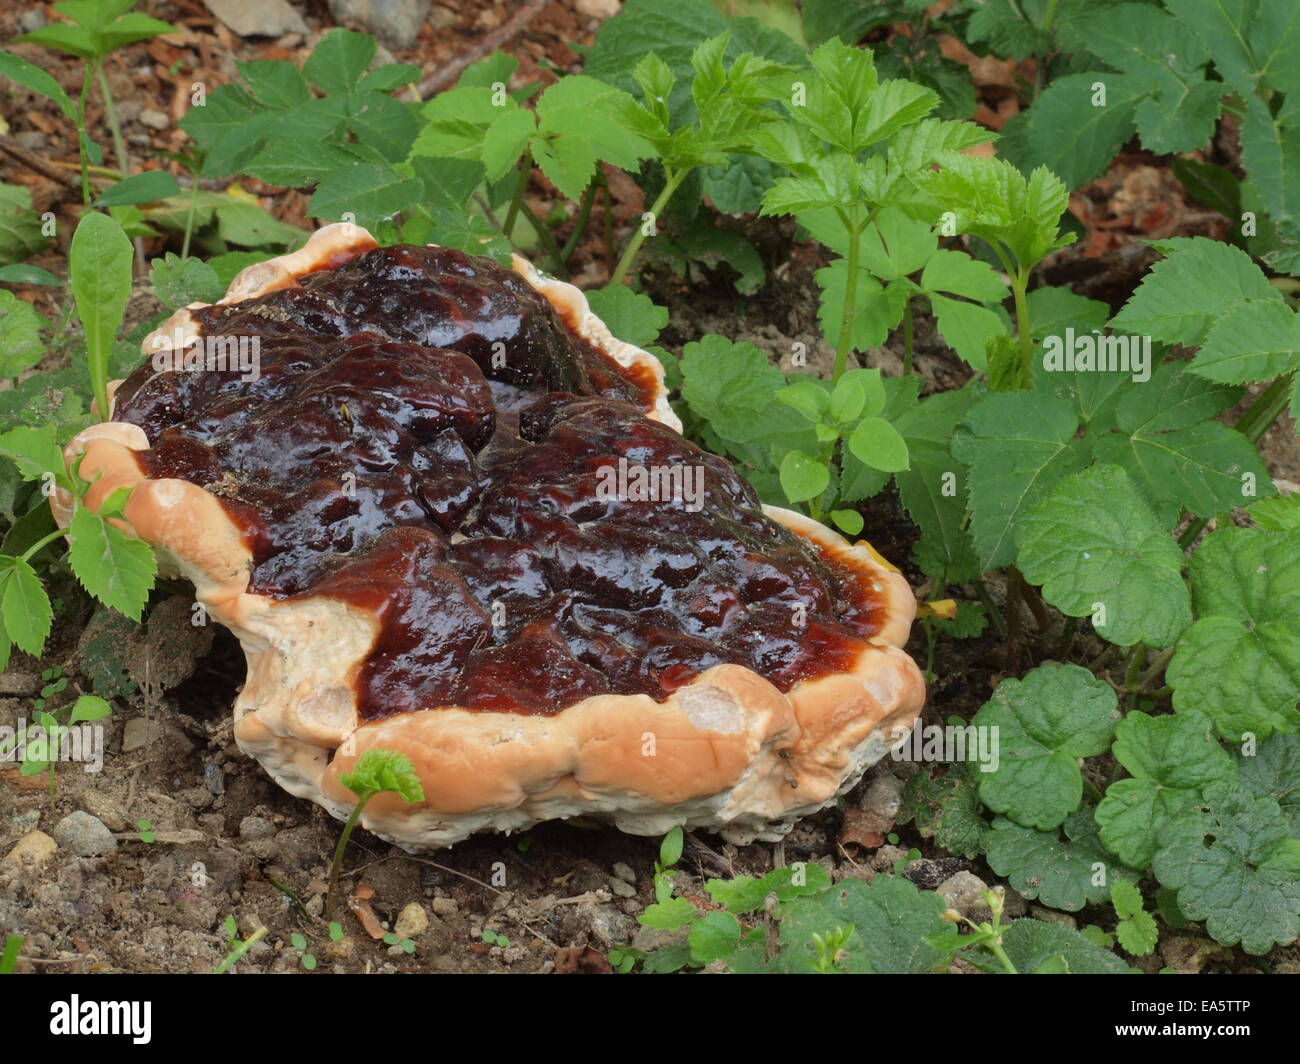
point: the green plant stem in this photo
(580, 225)
(331, 896)
(1265, 409)
(110, 113)
(44, 541)
(673, 179)
(189, 217)
(1067, 636)
(235, 954)
(991, 608)
(607, 220)
(907, 337)
(995, 947)
(547, 238)
(1156, 667)
(1136, 659)
(1049, 16)
(845, 339)
(1019, 288)
(517, 199)
(82, 137)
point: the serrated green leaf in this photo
(114, 568)
(26, 606)
(1253, 341)
(1029, 944)
(339, 60)
(379, 771)
(1018, 447)
(1185, 294)
(371, 193)
(1271, 769)
(631, 316)
(20, 335)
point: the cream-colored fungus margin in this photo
(727, 751)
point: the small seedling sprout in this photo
(375, 772)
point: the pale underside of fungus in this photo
(404, 512)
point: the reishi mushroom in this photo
(399, 512)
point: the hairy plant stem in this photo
(672, 179)
(580, 225)
(1156, 667)
(331, 896)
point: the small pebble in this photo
(84, 835)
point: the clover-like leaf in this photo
(378, 771)
(1045, 722)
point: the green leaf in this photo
(1056, 714)
(1019, 446)
(931, 488)
(114, 568)
(876, 443)
(26, 606)
(992, 200)
(379, 771)
(1253, 341)
(1171, 758)
(20, 335)
(88, 708)
(1231, 867)
(1271, 769)
(631, 316)
(20, 228)
(891, 916)
(746, 894)
(728, 383)
(35, 452)
(370, 192)
(877, 308)
(337, 63)
(99, 274)
(1095, 548)
(1182, 296)
(178, 282)
(946, 809)
(1069, 134)
(714, 936)
(297, 162)
(24, 273)
(669, 915)
(1240, 662)
(505, 141)
(803, 476)
(1030, 943)
(1176, 457)
(567, 161)
(36, 79)
(1277, 515)
(1061, 873)
(140, 188)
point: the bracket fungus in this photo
(447, 513)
